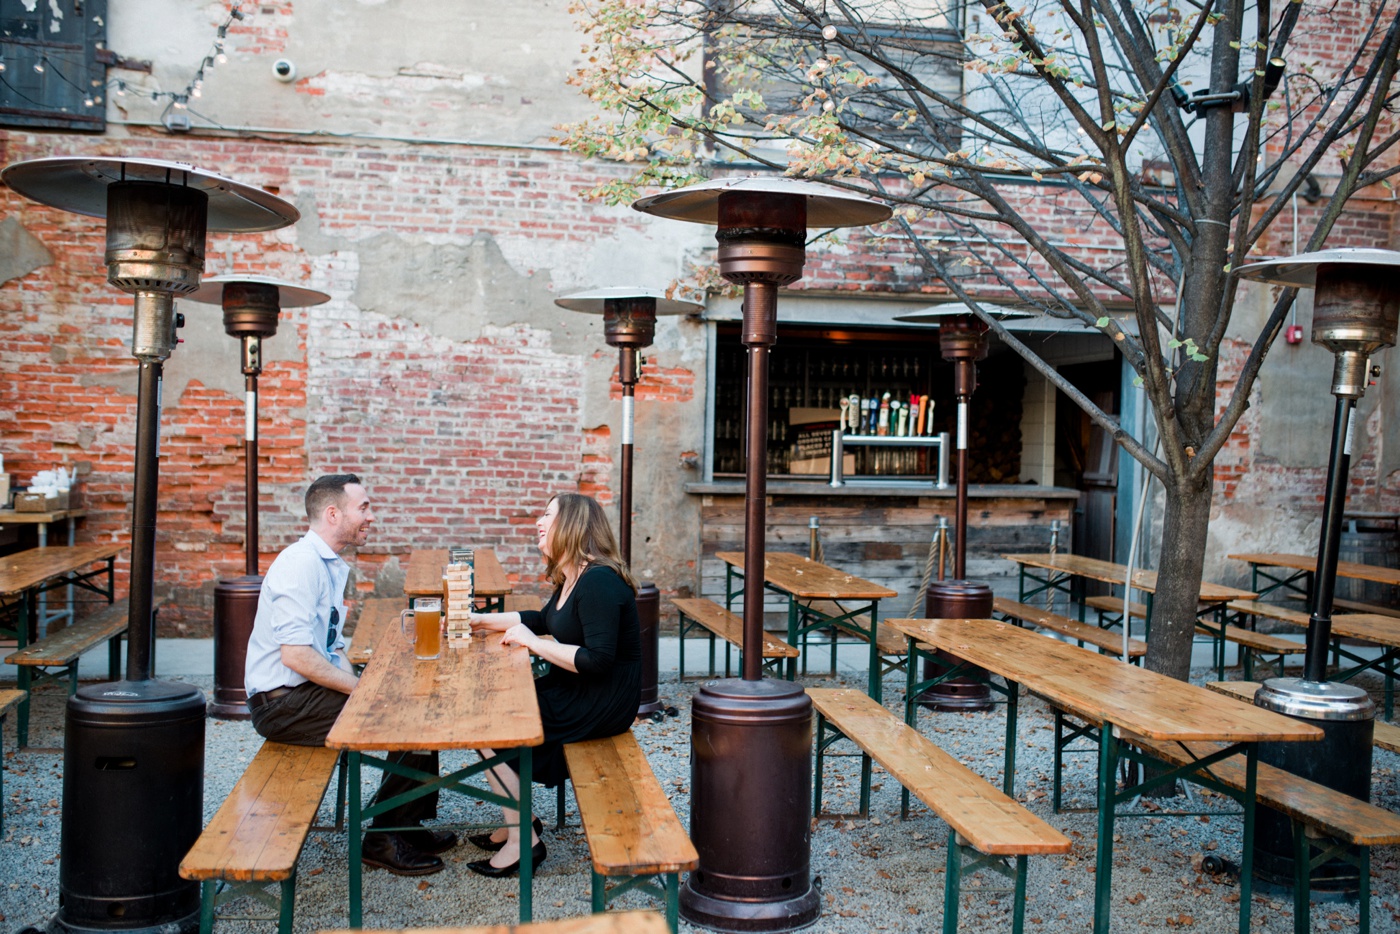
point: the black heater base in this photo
(235, 608)
(955, 599)
(649, 618)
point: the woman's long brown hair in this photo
(581, 534)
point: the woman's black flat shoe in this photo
(483, 841)
(483, 866)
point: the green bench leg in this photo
(600, 893)
(560, 800)
(952, 885)
(288, 903)
(25, 682)
(673, 901)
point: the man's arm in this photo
(312, 665)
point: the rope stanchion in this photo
(1054, 579)
(937, 557)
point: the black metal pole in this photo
(760, 333)
(250, 459)
(1325, 578)
(140, 622)
(627, 375)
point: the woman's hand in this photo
(520, 634)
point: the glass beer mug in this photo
(426, 634)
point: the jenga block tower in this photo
(457, 600)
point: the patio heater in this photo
(629, 324)
(251, 305)
(1356, 304)
(962, 340)
(133, 750)
(751, 737)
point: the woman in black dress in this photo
(595, 680)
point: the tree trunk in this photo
(1185, 522)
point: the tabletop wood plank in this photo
(25, 569)
(1372, 627)
(1099, 688)
(612, 922)
(39, 518)
(476, 694)
(378, 616)
(805, 578)
(1349, 569)
(423, 578)
(1112, 573)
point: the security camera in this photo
(283, 70)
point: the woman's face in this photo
(542, 526)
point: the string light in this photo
(179, 100)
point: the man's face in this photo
(351, 519)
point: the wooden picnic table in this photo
(802, 581)
(1111, 573)
(423, 578)
(477, 694)
(42, 521)
(26, 574)
(1302, 568)
(1121, 701)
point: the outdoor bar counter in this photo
(881, 530)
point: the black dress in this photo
(601, 699)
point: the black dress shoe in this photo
(429, 841)
(392, 852)
(483, 866)
(483, 841)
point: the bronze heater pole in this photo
(1356, 307)
(133, 776)
(962, 340)
(751, 737)
(251, 305)
(629, 324)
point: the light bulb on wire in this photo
(829, 32)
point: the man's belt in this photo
(262, 697)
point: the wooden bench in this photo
(8, 698)
(633, 833)
(1355, 606)
(1323, 819)
(1104, 640)
(981, 817)
(616, 922)
(1387, 735)
(698, 612)
(258, 833)
(62, 650)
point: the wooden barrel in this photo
(1369, 542)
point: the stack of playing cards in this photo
(457, 598)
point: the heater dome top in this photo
(289, 294)
(827, 206)
(1300, 272)
(593, 301)
(79, 185)
(934, 313)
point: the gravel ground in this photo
(876, 875)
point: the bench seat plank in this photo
(1115, 605)
(1338, 815)
(631, 827)
(729, 626)
(66, 645)
(8, 699)
(1258, 641)
(1083, 632)
(992, 822)
(261, 827)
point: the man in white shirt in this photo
(297, 673)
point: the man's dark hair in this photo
(325, 491)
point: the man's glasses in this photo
(330, 633)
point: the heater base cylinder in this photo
(235, 608)
(1341, 761)
(955, 599)
(133, 805)
(649, 616)
(750, 812)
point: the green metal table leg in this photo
(1251, 775)
(1103, 874)
(24, 681)
(208, 896)
(821, 754)
(560, 803)
(356, 833)
(877, 677)
(792, 639)
(1365, 893)
(526, 815)
(952, 885)
(1008, 780)
(1018, 906)
(1302, 875)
